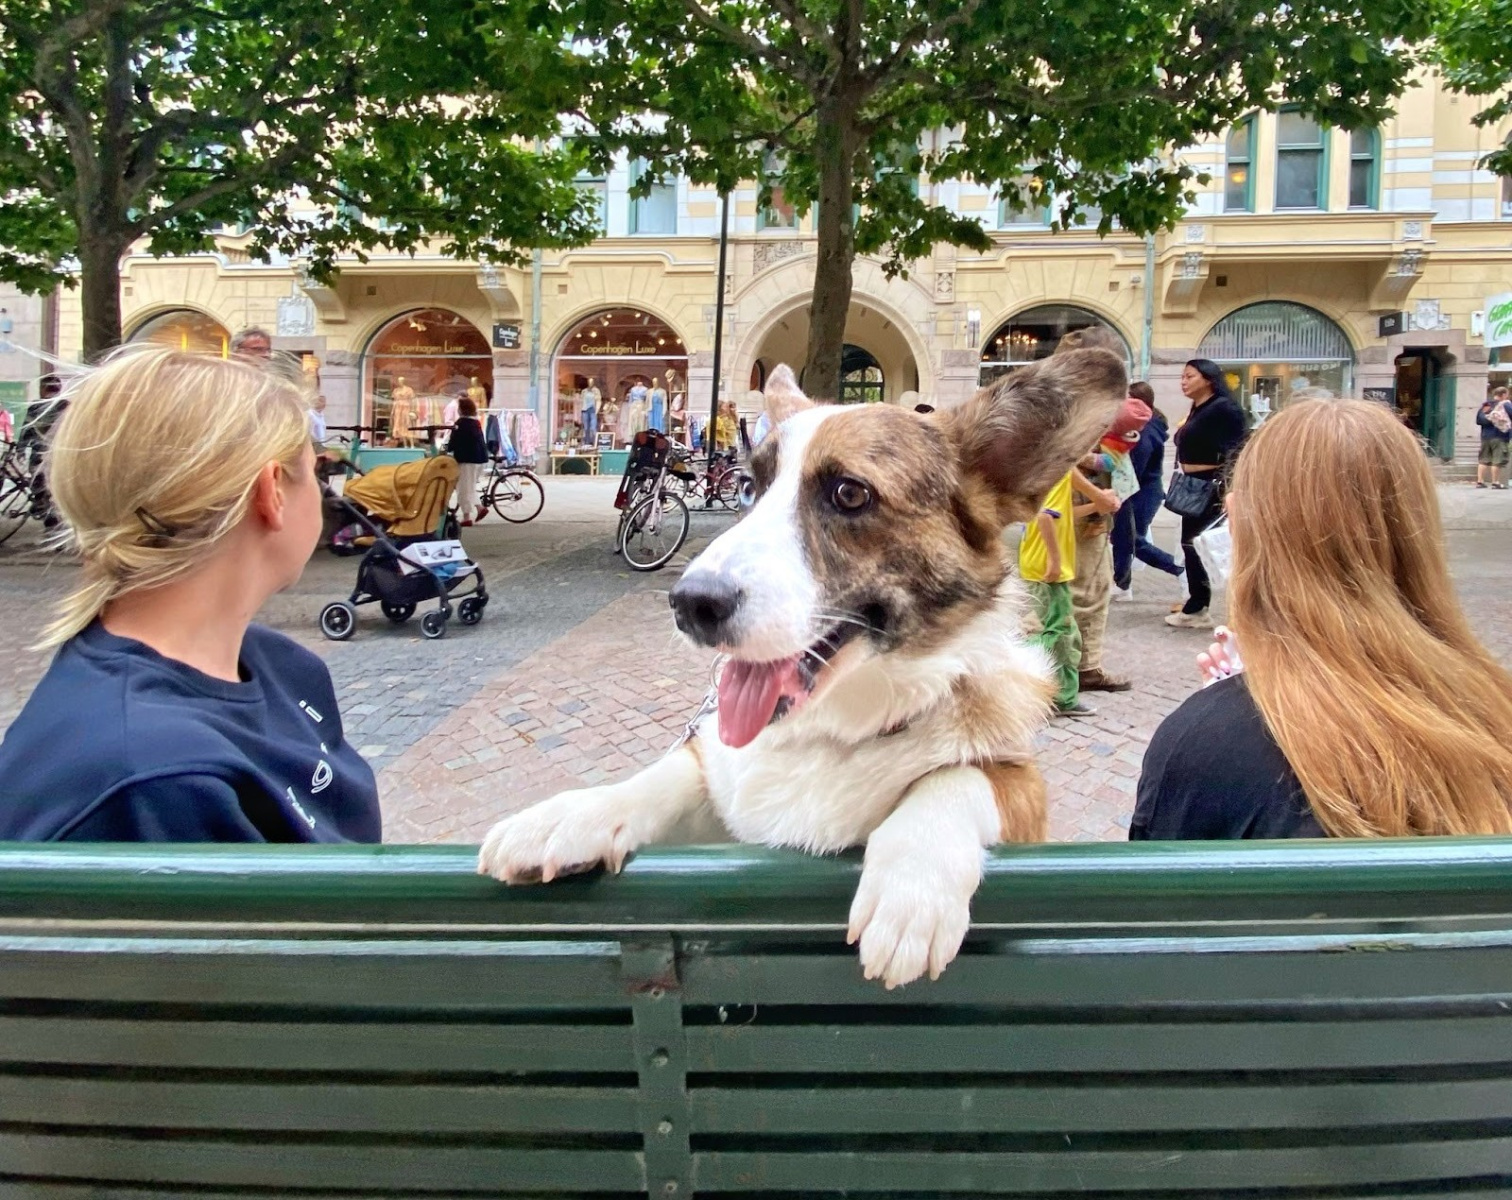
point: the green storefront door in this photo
(1425, 396)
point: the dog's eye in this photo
(747, 491)
(850, 495)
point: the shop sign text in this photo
(1499, 320)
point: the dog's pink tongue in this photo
(748, 696)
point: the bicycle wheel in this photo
(15, 506)
(516, 495)
(727, 490)
(654, 532)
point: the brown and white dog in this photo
(878, 690)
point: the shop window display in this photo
(417, 367)
(1031, 336)
(185, 329)
(617, 373)
(1276, 352)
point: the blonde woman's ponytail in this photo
(154, 462)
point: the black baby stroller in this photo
(407, 562)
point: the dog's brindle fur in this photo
(916, 740)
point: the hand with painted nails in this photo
(1220, 660)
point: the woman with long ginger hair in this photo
(1366, 706)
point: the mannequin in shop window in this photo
(657, 416)
(589, 399)
(477, 393)
(724, 430)
(609, 415)
(677, 417)
(402, 414)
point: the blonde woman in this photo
(189, 485)
(1366, 707)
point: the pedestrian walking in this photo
(1495, 421)
(468, 446)
(1131, 526)
(1047, 564)
(1207, 443)
(1365, 706)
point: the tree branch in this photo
(914, 38)
(751, 43)
(810, 31)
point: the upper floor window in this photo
(1239, 168)
(596, 189)
(655, 212)
(1364, 156)
(1299, 161)
(1031, 208)
(1506, 195)
(780, 212)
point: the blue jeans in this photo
(1131, 528)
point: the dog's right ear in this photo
(1020, 435)
(783, 395)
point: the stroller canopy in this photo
(408, 497)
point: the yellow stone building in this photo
(1315, 261)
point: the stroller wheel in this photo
(397, 613)
(470, 610)
(433, 624)
(337, 620)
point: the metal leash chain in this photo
(710, 704)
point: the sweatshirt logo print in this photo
(322, 777)
(309, 711)
(299, 808)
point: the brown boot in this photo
(1098, 680)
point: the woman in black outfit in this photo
(1207, 443)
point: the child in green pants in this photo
(1047, 563)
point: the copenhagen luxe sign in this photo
(1499, 321)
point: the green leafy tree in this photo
(1475, 53)
(1070, 102)
(323, 128)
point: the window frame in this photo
(1043, 208)
(638, 171)
(770, 216)
(1373, 187)
(1320, 148)
(1252, 126)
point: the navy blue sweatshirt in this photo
(119, 744)
(1148, 456)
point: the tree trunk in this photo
(100, 293)
(836, 143)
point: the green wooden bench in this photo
(1250, 1021)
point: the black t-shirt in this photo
(1212, 434)
(1214, 773)
(467, 444)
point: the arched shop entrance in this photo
(1277, 351)
(616, 373)
(1032, 335)
(185, 329)
(861, 378)
(434, 353)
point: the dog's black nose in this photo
(705, 603)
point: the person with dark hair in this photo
(469, 447)
(1131, 527)
(1207, 443)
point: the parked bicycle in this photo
(515, 493)
(654, 518)
(715, 483)
(23, 494)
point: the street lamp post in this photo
(719, 298)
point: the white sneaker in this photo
(1196, 620)
(1123, 595)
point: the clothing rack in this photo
(520, 428)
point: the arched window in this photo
(429, 357)
(616, 373)
(185, 329)
(1239, 169)
(1364, 168)
(1031, 336)
(1279, 352)
(860, 376)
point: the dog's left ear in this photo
(1021, 434)
(783, 395)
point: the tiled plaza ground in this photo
(575, 676)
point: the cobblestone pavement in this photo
(574, 677)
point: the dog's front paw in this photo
(570, 833)
(908, 921)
